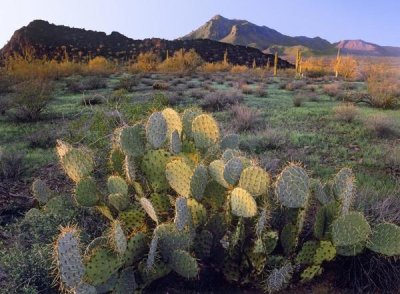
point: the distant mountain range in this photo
(43, 39)
(242, 32)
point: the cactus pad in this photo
(261, 222)
(230, 141)
(171, 239)
(132, 140)
(179, 174)
(325, 252)
(184, 264)
(242, 203)
(136, 247)
(86, 192)
(132, 220)
(116, 184)
(197, 211)
(181, 213)
(148, 207)
(156, 130)
(188, 116)
(116, 161)
(129, 169)
(153, 165)
(117, 238)
(310, 272)
(307, 253)
(292, 187)
(350, 229)
(173, 121)
(205, 131)
(119, 201)
(255, 180)
(100, 266)
(216, 170)
(289, 238)
(41, 191)
(175, 145)
(160, 203)
(232, 170)
(151, 257)
(78, 163)
(385, 239)
(68, 257)
(198, 182)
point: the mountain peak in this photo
(245, 33)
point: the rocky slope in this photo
(242, 32)
(41, 38)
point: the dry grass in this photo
(245, 118)
(346, 112)
(383, 87)
(381, 125)
(332, 90)
(238, 69)
(221, 100)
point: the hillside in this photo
(242, 32)
(41, 38)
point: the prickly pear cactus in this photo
(205, 131)
(178, 198)
(156, 130)
(242, 203)
(385, 239)
(67, 255)
(41, 191)
(293, 187)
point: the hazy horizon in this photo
(375, 22)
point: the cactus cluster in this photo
(180, 197)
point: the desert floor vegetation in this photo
(317, 120)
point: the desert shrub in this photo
(94, 83)
(381, 125)
(5, 82)
(298, 100)
(213, 67)
(332, 90)
(313, 97)
(11, 163)
(30, 100)
(238, 69)
(383, 87)
(220, 100)
(346, 112)
(198, 93)
(5, 102)
(346, 68)
(261, 91)
(92, 99)
(392, 159)
(245, 118)
(74, 85)
(127, 82)
(146, 62)
(118, 96)
(315, 67)
(160, 86)
(247, 90)
(182, 61)
(44, 138)
(268, 139)
(295, 85)
(100, 66)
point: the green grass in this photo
(313, 136)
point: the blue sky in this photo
(334, 20)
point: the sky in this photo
(334, 20)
